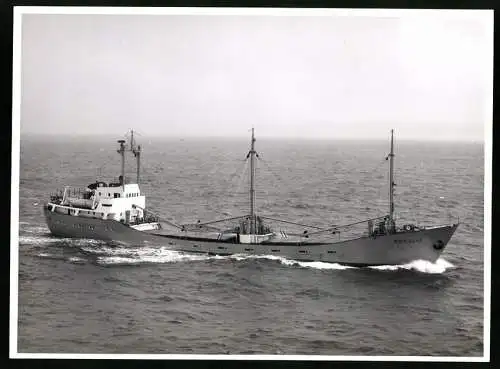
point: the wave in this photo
(76, 260)
(72, 259)
(30, 228)
(51, 256)
(38, 240)
(47, 239)
(109, 255)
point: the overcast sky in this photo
(428, 77)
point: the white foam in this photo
(50, 256)
(440, 266)
(322, 265)
(145, 255)
(291, 262)
(104, 250)
(78, 242)
(34, 229)
(423, 266)
(109, 260)
(76, 260)
(37, 240)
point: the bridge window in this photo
(275, 250)
(332, 252)
(248, 249)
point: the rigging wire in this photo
(335, 228)
(341, 197)
(288, 222)
(158, 216)
(280, 179)
(238, 173)
(219, 220)
(368, 202)
(241, 178)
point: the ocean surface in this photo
(83, 296)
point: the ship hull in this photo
(393, 249)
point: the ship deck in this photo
(210, 237)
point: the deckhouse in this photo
(120, 201)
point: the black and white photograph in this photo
(223, 183)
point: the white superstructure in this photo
(121, 201)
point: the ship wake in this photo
(422, 266)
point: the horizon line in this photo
(241, 137)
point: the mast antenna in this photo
(121, 151)
(136, 150)
(137, 154)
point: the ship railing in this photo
(78, 193)
(71, 192)
(56, 198)
(149, 218)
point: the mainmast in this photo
(251, 153)
(391, 181)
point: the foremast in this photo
(391, 184)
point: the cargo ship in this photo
(118, 212)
